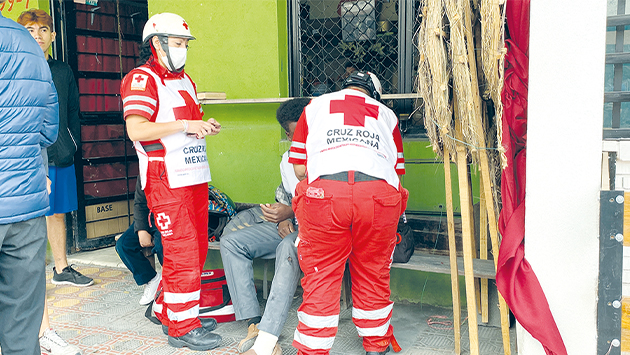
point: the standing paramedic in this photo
(347, 150)
(29, 121)
(164, 120)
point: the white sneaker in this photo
(52, 344)
(150, 288)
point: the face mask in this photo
(178, 58)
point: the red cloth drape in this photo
(516, 280)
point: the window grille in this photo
(330, 38)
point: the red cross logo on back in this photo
(354, 109)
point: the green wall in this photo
(245, 157)
(238, 45)
(424, 179)
(241, 49)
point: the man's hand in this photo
(48, 184)
(277, 212)
(146, 240)
(285, 228)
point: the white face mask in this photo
(178, 57)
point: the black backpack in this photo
(221, 209)
(405, 242)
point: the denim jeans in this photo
(130, 251)
(248, 236)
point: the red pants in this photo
(341, 221)
(181, 215)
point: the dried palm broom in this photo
(433, 77)
(493, 55)
(462, 81)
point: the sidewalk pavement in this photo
(105, 318)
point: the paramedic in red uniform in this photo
(347, 150)
(164, 120)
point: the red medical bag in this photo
(214, 300)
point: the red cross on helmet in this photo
(166, 24)
(365, 80)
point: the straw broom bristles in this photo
(433, 77)
(493, 55)
(462, 81)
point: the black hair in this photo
(145, 52)
(290, 111)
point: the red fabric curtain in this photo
(516, 280)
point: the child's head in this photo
(40, 26)
(289, 113)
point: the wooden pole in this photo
(473, 241)
(485, 172)
(483, 251)
(467, 235)
(452, 253)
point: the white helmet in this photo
(166, 24)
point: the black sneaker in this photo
(70, 276)
(198, 339)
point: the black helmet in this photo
(367, 81)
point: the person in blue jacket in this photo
(29, 121)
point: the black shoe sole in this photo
(165, 328)
(176, 343)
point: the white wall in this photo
(566, 90)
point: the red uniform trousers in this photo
(339, 221)
(181, 215)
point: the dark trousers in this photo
(130, 252)
(22, 285)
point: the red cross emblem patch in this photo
(354, 109)
(163, 220)
(139, 82)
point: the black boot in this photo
(198, 339)
(377, 352)
(208, 324)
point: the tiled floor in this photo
(106, 318)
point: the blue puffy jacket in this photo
(29, 121)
